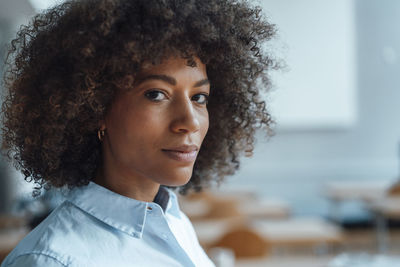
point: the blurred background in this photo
(321, 192)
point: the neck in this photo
(126, 184)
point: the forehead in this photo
(171, 65)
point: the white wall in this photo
(316, 39)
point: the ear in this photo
(102, 125)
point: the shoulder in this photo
(59, 240)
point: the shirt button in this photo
(149, 208)
(164, 236)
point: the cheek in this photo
(204, 122)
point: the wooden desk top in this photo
(356, 190)
(291, 232)
(389, 207)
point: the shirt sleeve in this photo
(35, 260)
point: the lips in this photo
(184, 153)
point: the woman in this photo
(113, 99)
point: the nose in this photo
(185, 118)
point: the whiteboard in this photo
(316, 40)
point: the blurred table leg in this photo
(382, 234)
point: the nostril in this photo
(185, 124)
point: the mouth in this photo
(185, 153)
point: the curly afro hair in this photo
(64, 68)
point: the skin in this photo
(145, 126)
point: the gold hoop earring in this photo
(100, 134)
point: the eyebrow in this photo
(169, 79)
(202, 82)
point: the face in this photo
(155, 129)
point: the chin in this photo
(177, 179)
(173, 176)
(177, 182)
(177, 176)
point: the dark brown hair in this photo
(65, 66)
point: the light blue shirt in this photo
(97, 227)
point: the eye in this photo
(201, 99)
(155, 95)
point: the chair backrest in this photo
(394, 189)
(244, 242)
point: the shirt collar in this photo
(123, 213)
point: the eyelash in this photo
(148, 94)
(206, 96)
